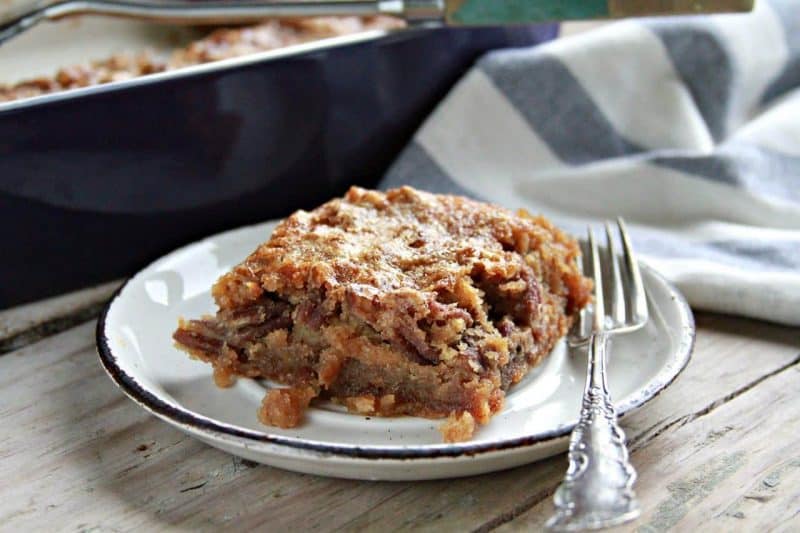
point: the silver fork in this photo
(597, 490)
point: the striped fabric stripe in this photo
(688, 127)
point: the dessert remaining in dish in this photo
(395, 303)
(219, 44)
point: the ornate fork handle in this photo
(597, 490)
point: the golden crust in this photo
(404, 242)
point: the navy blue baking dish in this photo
(96, 182)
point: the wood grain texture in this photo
(716, 451)
(28, 323)
(731, 469)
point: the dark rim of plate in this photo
(199, 424)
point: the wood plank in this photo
(723, 362)
(730, 354)
(25, 324)
(735, 468)
(83, 456)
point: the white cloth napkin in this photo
(687, 127)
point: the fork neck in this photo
(596, 375)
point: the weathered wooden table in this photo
(719, 450)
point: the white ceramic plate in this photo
(135, 346)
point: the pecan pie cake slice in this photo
(396, 303)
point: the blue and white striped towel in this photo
(687, 127)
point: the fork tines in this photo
(620, 302)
